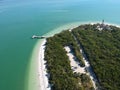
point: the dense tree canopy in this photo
(58, 64)
(102, 48)
(103, 51)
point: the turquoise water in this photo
(20, 19)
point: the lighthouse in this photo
(103, 22)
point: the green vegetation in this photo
(85, 81)
(58, 64)
(103, 51)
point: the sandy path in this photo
(87, 65)
(89, 69)
(74, 64)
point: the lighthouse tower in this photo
(103, 22)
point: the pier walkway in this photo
(38, 37)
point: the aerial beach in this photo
(38, 76)
(35, 65)
(20, 62)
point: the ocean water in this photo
(20, 19)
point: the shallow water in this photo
(20, 19)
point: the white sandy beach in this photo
(38, 79)
(44, 85)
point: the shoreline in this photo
(44, 85)
(34, 77)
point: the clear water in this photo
(20, 19)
